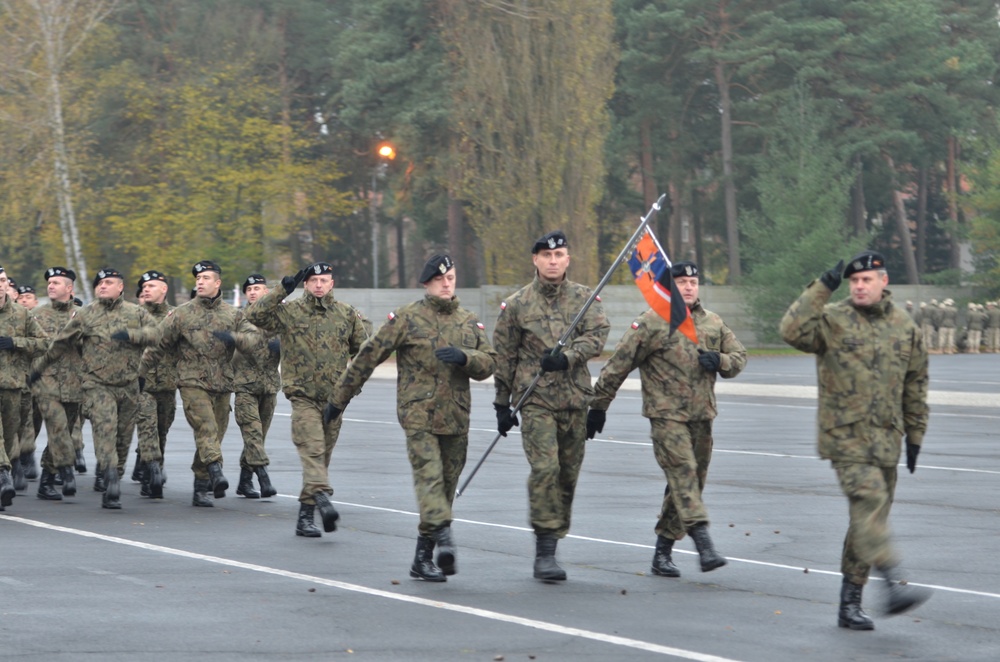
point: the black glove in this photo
(331, 413)
(506, 419)
(553, 360)
(710, 361)
(291, 282)
(226, 338)
(595, 422)
(6, 342)
(34, 377)
(833, 277)
(451, 354)
(120, 336)
(142, 384)
(912, 451)
(274, 346)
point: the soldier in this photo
(872, 374)
(58, 393)
(928, 325)
(439, 346)
(158, 397)
(256, 382)
(678, 396)
(29, 412)
(946, 327)
(26, 297)
(992, 326)
(202, 334)
(975, 320)
(21, 338)
(318, 336)
(555, 414)
(109, 335)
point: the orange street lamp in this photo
(386, 152)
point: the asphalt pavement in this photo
(164, 580)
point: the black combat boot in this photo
(851, 614)
(217, 481)
(546, 567)
(138, 468)
(81, 463)
(446, 550)
(201, 498)
(266, 489)
(900, 596)
(423, 562)
(326, 511)
(710, 559)
(17, 474)
(28, 465)
(245, 488)
(46, 488)
(305, 526)
(112, 495)
(7, 491)
(69, 481)
(154, 479)
(100, 482)
(57, 479)
(663, 562)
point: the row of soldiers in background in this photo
(940, 325)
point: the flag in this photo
(651, 271)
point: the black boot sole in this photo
(713, 565)
(219, 489)
(248, 493)
(50, 496)
(437, 579)
(665, 573)
(7, 497)
(309, 534)
(857, 627)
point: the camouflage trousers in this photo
(10, 424)
(869, 490)
(993, 339)
(314, 442)
(930, 336)
(29, 431)
(554, 443)
(254, 414)
(60, 419)
(112, 411)
(437, 461)
(157, 410)
(946, 340)
(207, 412)
(975, 340)
(683, 451)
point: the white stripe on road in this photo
(365, 590)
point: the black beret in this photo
(684, 270)
(205, 265)
(60, 271)
(107, 272)
(25, 289)
(436, 265)
(865, 261)
(318, 269)
(253, 279)
(11, 282)
(551, 241)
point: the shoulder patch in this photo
(503, 305)
(480, 325)
(598, 298)
(391, 316)
(635, 324)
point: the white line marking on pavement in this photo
(365, 590)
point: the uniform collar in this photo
(156, 307)
(440, 305)
(205, 302)
(111, 304)
(323, 303)
(62, 305)
(880, 309)
(548, 290)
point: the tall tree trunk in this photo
(903, 228)
(955, 258)
(728, 183)
(456, 241)
(649, 192)
(922, 220)
(859, 210)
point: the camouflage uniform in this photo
(992, 327)
(928, 325)
(318, 338)
(110, 369)
(976, 320)
(872, 374)
(204, 369)
(553, 429)
(432, 397)
(946, 328)
(256, 382)
(678, 396)
(158, 400)
(29, 339)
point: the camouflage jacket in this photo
(933, 315)
(674, 385)
(531, 321)
(203, 361)
(918, 315)
(257, 372)
(871, 365)
(161, 377)
(60, 380)
(949, 317)
(88, 332)
(976, 320)
(318, 338)
(29, 339)
(431, 396)
(993, 317)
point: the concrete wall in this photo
(623, 303)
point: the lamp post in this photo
(386, 153)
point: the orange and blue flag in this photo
(652, 274)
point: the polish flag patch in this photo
(598, 298)
(503, 305)
(635, 325)
(391, 316)
(480, 325)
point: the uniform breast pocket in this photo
(469, 340)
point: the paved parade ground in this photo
(163, 580)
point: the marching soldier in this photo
(678, 397)
(872, 377)
(109, 335)
(256, 382)
(439, 347)
(318, 336)
(527, 333)
(30, 419)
